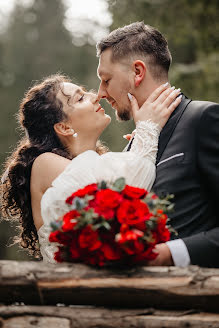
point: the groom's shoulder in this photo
(199, 108)
(202, 105)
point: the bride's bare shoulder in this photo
(46, 167)
(48, 157)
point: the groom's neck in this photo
(145, 89)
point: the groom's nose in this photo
(102, 93)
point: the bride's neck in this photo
(80, 144)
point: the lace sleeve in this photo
(145, 142)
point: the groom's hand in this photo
(164, 256)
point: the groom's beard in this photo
(123, 115)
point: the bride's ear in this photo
(62, 129)
(139, 68)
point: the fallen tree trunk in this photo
(37, 283)
(81, 317)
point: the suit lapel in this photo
(168, 129)
(170, 126)
(129, 146)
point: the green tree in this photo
(192, 31)
(36, 44)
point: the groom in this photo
(136, 59)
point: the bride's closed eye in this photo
(81, 98)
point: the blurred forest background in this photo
(41, 37)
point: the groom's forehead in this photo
(105, 62)
(105, 69)
(101, 72)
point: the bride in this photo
(60, 153)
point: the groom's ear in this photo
(62, 129)
(139, 68)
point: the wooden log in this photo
(160, 287)
(89, 317)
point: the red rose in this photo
(53, 236)
(154, 196)
(74, 250)
(107, 198)
(69, 220)
(88, 238)
(132, 212)
(129, 235)
(58, 256)
(97, 258)
(163, 233)
(141, 225)
(111, 252)
(88, 190)
(133, 192)
(154, 239)
(105, 203)
(60, 237)
(145, 256)
(107, 213)
(130, 241)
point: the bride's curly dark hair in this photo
(39, 111)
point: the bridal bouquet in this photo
(117, 224)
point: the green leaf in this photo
(119, 184)
(88, 217)
(56, 225)
(79, 203)
(102, 185)
(148, 237)
(106, 225)
(150, 224)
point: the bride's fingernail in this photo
(172, 88)
(165, 84)
(124, 136)
(178, 90)
(130, 96)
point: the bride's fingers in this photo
(134, 104)
(157, 92)
(127, 136)
(163, 96)
(172, 96)
(174, 104)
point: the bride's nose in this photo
(94, 98)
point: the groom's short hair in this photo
(142, 40)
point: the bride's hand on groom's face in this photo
(158, 107)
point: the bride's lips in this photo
(99, 109)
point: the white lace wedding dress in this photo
(137, 166)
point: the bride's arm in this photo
(137, 166)
(45, 169)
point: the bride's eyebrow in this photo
(79, 90)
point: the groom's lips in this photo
(112, 103)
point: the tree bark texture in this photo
(163, 288)
(91, 317)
